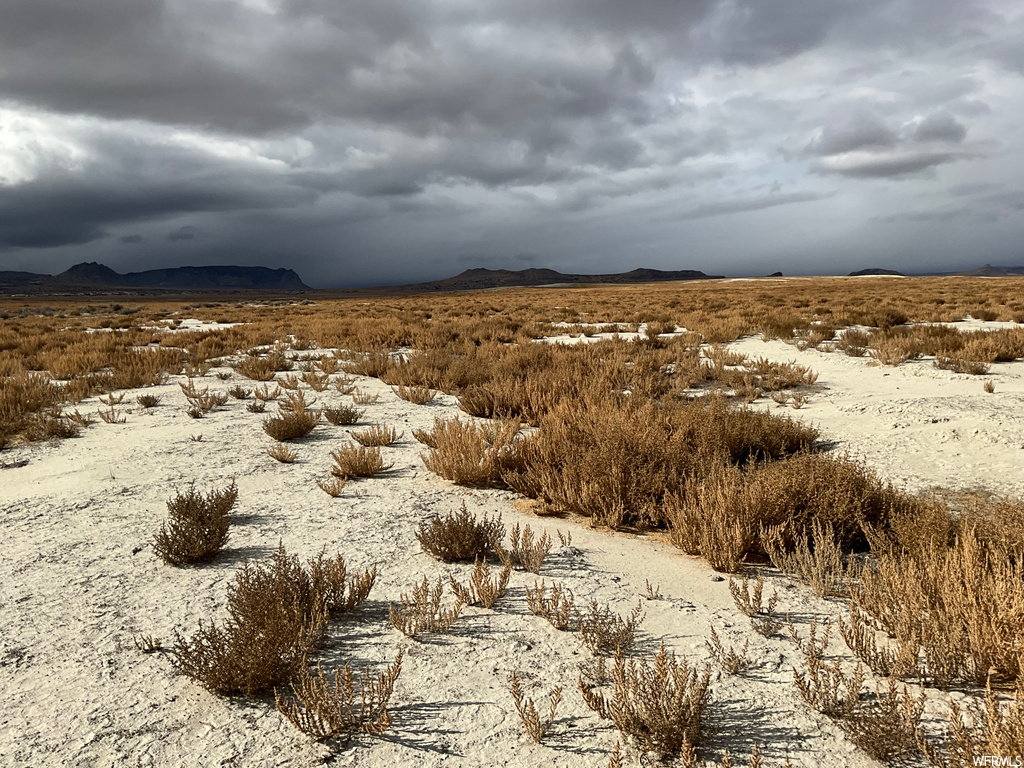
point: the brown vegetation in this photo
(660, 704)
(197, 527)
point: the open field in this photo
(676, 443)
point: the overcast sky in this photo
(390, 141)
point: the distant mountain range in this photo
(989, 271)
(874, 271)
(91, 277)
(480, 278)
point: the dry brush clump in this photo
(282, 453)
(277, 615)
(660, 704)
(483, 589)
(354, 461)
(459, 536)
(994, 729)
(343, 415)
(324, 707)
(524, 551)
(470, 454)
(422, 611)
(528, 714)
(885, 724)
(197, 527)
(415, 394)
(604, 631)
(377, 434)
(294, 419)
(559, 608)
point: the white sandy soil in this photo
(78, 579)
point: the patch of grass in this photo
(353, 461)
(422, 611)
(459, 536)
(324, 707)
(197, 527)
(377, 434)
(661, 704)
(535, 726)
(344, 415)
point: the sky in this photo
(369, 142)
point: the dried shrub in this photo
(294, 421)
(459, 536)
(559, 609)
(661, 704)
(377, 434)
(344, 415)
(318, 382)
(364, 398)
(729, 660)
(256, 406)
(239, 392)
(282, 453)
(265, 393)
(604, 632)
(275, 619)
(523, 551)
(422, 612)
(322, 708)
(883, 724)
(994, 730)
(352, 461)
(528, 714)
(482, 589)
(111, 416)
(148, 401)
(197, 527)
(328, 365)
(469, 454)
(425, 437)
(962, 603)
(715, 518)
(332, 486)
(414, 394)
(816, 558)
(750, 603)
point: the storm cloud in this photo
(362, 140)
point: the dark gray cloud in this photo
(362, 139)
(860, 132)
(941, 126)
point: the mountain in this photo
(92, 277)
(481, 278)
(989, 271)
(875, 271)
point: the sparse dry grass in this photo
(354, 461)
(482, 588)
(323, 707)
(282, 453)
(459, 536)
(469, 454)
(344, 415)
(377, 434)
(528, 714)
(415, 394)
(661, 704)
(277, 615)
(559, 608)
(422, 611)
(198, 525)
